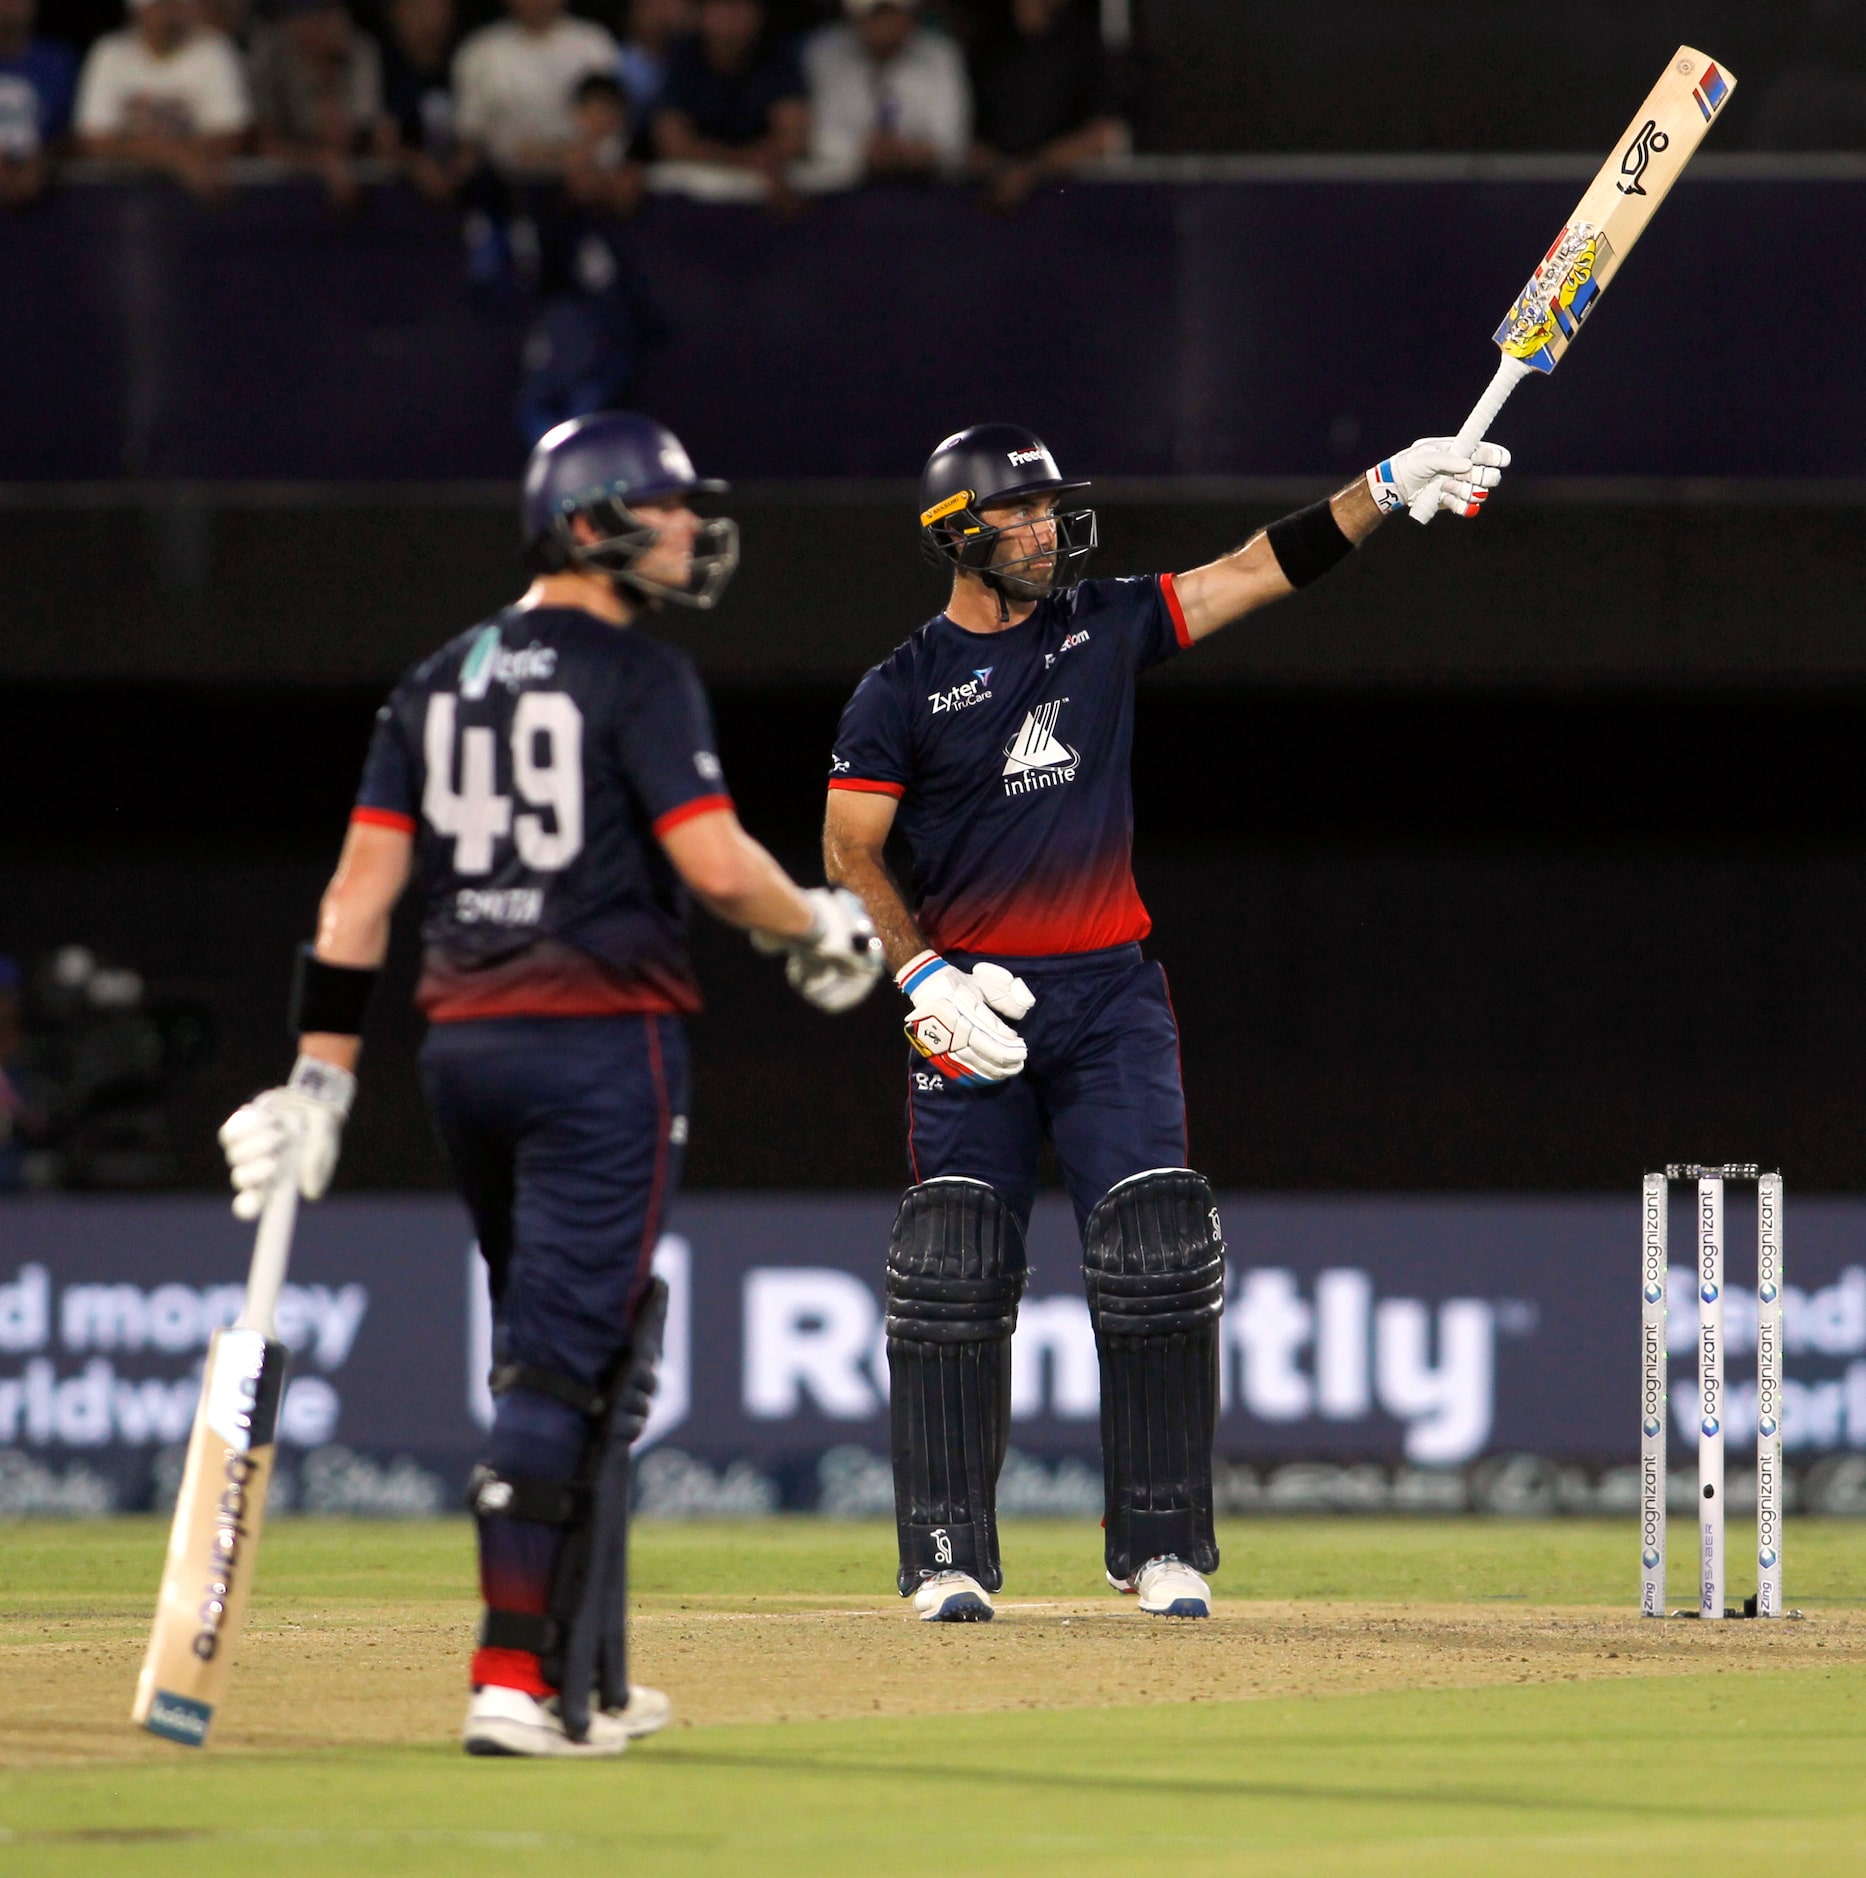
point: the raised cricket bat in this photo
(214, 1543)
(1662, 138)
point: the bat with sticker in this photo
(213, 1544)
(1662, 138)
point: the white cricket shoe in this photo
(1168, 1587)
(647, 1710)
(953, 1598)
(508, 1721)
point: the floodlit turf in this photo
(49, 1563)
(1719, 1752)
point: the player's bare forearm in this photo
(855, 832)
(353, 918)
(735, 878)
(1251, 577)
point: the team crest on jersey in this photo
(1036, 758)
(975, 690)
(490, 663)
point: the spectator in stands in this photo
(735, 94)
(165, 95)
(1044, 99)
(38, 78)
(513, 82)
(317, 91)
(1818, 102)
(233, 18)
(651, 29)
(888, 97)
(599, 173)
(417, 125)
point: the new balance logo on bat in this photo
(1034, 758)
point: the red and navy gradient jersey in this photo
(1009, 753)
(538, 758)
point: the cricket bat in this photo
(214, 1543)
(1662, 138)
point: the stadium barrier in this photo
(1381, 1353)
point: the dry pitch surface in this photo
(1470, 1640)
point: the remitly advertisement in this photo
(1420, 1333)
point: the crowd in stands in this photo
(813, 93)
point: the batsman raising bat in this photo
(550, 777)
(998, 739)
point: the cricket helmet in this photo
(980, 468)
(602, 468)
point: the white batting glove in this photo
(258, 1139)
(1463, 481)
(836, 963)
(957, 1018)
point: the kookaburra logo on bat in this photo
(1646, 144)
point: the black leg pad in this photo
(1154, 1259)
(955, 1273)
(595, 1659)
(582, 1643)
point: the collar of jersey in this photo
(1003, 635)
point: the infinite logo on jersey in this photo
(962, 697)
(1034, 758)
(489, 663)
(1560, 294)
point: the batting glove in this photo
(1464, 482)
(956, 1020)
(304, 1119)
(836, 963)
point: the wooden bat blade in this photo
(214, 1539)
(1662, 138)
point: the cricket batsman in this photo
(998, 738)
(550, 778)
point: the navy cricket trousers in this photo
(565, 1135)
(1102, 1081)
(561, 1133)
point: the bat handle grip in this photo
(272, 1246)
(1510, 373)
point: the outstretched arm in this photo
(1301, 547)
(1251, 576)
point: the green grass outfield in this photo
(1700, 1771)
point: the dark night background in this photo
(1521, 855)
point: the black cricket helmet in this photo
(597, 467)
(978, 469)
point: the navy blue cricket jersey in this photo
(1009, 753)
(538, 758)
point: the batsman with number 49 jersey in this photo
(550, 779)
(997, 742)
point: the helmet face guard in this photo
(954, 534)
(623, 537)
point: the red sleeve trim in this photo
(1169, 592)
(384, 818)
(863, 786)
(700, 805)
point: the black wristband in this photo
(1308, 543)
(328, 998)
